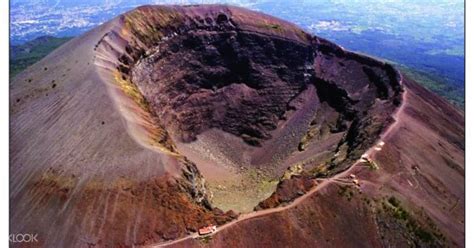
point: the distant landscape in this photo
(22, 56)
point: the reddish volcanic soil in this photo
(170, 118)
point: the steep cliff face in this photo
(210, 68)
(165, 113)
(236, 81)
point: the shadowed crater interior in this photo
(239, 82)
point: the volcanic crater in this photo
(248, 99)
(210, 111)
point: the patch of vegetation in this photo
(322, 168)
(205, 239)
(261, 181)
(22, 56)
(312, 132)
(394, 201)
(398, 212)
(373, 165)
(268, 185)
(319, 171)
(272, 26)
(367, 201)
(148, 30)
(437, 84)
(275, 26)
(131, 90)
(346, 191)
(296, 169)
(159, 136)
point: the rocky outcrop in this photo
(287, 191)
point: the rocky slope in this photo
(133, 133)
(414, 199)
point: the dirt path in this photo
(265, 211)
(323, 184)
